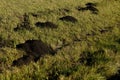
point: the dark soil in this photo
(115, 77)
(92, 9)
(25, 24)
(34, 50)
(68, 18)
(26, 59)
(81, 8)
(46, 25)
(89, 6)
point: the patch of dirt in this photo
(115, 77)
(25, 24)
(68, 18)
(34, 50)
(89, 6)
(26, 59)
(46, 25)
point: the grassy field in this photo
(93, 52)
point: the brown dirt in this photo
(68, 19)
(34, 50)
(46, 25)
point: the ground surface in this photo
(59, 39)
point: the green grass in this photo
(65, 65)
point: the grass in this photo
(97, 48)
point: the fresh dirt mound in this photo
(26, 59)
(25, 24)
(68, 18)
(115, 77)
(92, 9)
(34, 50)
(89, 6)
(46, 25)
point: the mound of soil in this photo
(34, 50)
(26, 59)
(92, 9)
(68, 18)
(115, 77)
(25, 24)
(89, 6)
(81, 8)
(46, 25)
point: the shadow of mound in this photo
(34, 50)
(68, 18)
(25, 24)
(115, 77)
(89, 6)
(46, 25)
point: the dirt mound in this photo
(46, 25)
(89, 6)
(34, 50)
(25, 24)
(68, 18)
(26, 59)
(115, 77)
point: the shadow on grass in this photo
(93, 58)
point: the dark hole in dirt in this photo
(115, 77)
(25, 24)
(68, 18)
(46, 25)
(92, 58)
(34, 50)
(6, 43)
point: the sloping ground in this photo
(59, 39)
